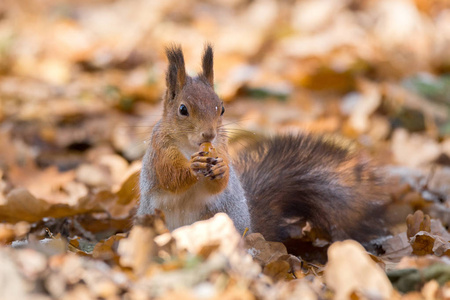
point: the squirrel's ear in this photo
(176, 73)
(207, 64)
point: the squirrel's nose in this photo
(208, 136)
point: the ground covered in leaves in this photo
(80, 87)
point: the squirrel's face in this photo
(196, 113)
(192, 109)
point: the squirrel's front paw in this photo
(218, 170)
(201, 163)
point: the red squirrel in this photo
(276, 186)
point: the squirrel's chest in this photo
(185, 208)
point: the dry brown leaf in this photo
(438, 229)
(2, 188)
(370, 100)
(350, 269)
(117, 167)
(9, 232)
(264, 252)
(138, 249)
(129, 190)
(47, 184)
(104, 249)
(396, 247)
(277, 270)
(418, 262)
(422, 243)
(379, 261)
(441, 247)
(218, 230)
(298, 289)
(430, 290)
(207, 250)
(236, 292)
(8, 155)
(184, 294)
(417, 222)
(416, 200)
(94, 175)
(12, 284)
(79, 291)
(295, 264)
(22, 206)
(412, 149)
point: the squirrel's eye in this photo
(223, 110)
(183, 110)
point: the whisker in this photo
(238, 121)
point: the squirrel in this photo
(276, 186)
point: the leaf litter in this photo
(80, 85)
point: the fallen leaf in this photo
(209, 232)
(396, 247)
(262, 251)
(417, 222)
(9, 232)
(139, 248)
(430, 290)
(107, 249)
(418, 262)
(441, 247)
(94, 175)
(32, 263)
(218, 231)
(422, 243)
(12, 284)
(413, 149)
(369, 101)
(45, 184)
(350, 269)
(277, 270)
(426, 243)
(22, 206)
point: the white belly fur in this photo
(185, 208)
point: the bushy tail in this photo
(295, 180)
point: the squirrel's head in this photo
(191, 107)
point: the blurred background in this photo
(81, 82)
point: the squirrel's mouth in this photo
(198, 143)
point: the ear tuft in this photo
(176, 73)
(207, 64)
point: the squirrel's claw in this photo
(217, 172)
(212, 167)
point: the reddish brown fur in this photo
(218, 185)
(288, 180)
(207, 65)
(173, 171)
(178, 132)
(176, 73)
